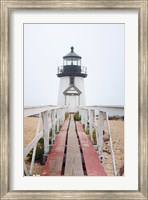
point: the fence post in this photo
(46, 134)
(100, 136)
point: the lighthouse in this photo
(71, 88)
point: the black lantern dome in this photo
(72, 66)
(71, 55)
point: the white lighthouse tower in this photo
(71, 74)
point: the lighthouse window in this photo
(71, 80)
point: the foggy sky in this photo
(101, 47)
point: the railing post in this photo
(65, 111)
(80, 111)
(82, 116)
(58, 121)
(60, 116)
(90, 124)
(121, 170)
(110, 144)
(25, 170)
(49, 120)
(53, 125)
(96, 113)
(45, 134)
(100, 136)
(34, 149)
(63, 115)
(97, 130)
(86, 119)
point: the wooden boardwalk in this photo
(72, 153)
(73, 165)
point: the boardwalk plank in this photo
(54, 163)
(53, 166)
(92, 162)
(73, 166)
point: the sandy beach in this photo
(117, 134)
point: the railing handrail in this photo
(33, 110)
(57, 116)
(117, 110)
(104, 106)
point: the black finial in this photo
(72, 48)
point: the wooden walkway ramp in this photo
(72, 153)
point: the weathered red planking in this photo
(53, 165)
(65, 125)
(92, 162)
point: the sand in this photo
(117, 134)
(30, 125)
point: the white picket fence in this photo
(52, 117)
(96, 116)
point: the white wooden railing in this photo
(95, 116)
(52, 117)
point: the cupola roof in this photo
(72, 54)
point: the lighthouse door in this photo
(72, 97)
(72, 101)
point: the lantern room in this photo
(72, 58)
(72, 66)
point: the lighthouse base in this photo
(71, 95)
